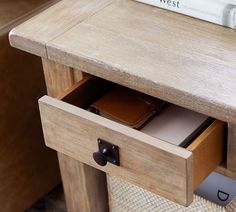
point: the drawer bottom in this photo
(126, 197)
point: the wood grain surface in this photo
(54, 72)
(157, 52)
(145, 161)
(86, 190)
(71, 125)
(209, 146)
(85, 187)
(32, 36)
(231, 148)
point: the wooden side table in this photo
(176, 58)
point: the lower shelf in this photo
(126, 197)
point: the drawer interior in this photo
(187, 166)
(208, 147)
(85, 92)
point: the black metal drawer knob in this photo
(107, 153)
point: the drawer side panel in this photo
(208, 151)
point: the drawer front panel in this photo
(145, 161)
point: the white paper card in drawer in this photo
(176, 125)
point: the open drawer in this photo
(155, 165)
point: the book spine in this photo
(221, 12)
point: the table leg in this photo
(85, 187)
(231, 150)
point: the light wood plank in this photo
(86, 185)
(185, 61)
(231, 149)
(55, 73)
(81, 183)
(33, 35)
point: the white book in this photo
(176, 125)
(221, 12)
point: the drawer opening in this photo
(207, 145)
(144, 160)
(85, 92)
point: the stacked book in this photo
(221, 12)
